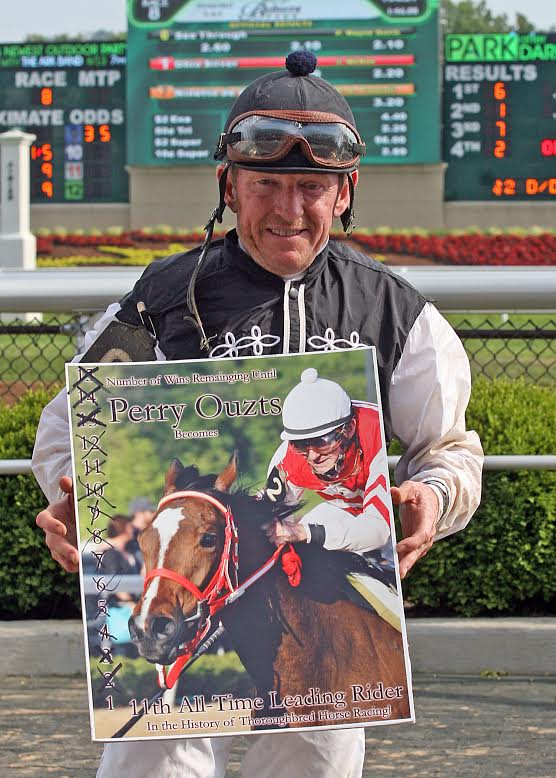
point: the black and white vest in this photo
(344, 300)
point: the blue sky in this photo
(80, 16)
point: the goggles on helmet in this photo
(323, 445)
(268, 136)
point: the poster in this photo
(255, 587)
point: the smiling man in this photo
(288, 157)
(286, 220)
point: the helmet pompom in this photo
(301, 62)
(309, 376)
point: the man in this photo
(332, 446)
(289, 154)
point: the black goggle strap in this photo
(223, 140)
(216, 216)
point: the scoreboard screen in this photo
(72, 97)
(499, 135)
(190, 59)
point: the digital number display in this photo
(72, 97)
(499, 111)
(188, 61)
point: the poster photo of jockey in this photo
(333, 446)
(263, 594)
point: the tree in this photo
(97, 35)
(474, 16)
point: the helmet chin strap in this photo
(334, 472)
(216, 216)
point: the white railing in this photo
(472, 289)
(452, 288)
(494, 462)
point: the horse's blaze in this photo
(163, 543)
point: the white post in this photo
(18, 247)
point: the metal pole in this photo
(494, 462)
(451, 288)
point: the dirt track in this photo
(467, 727)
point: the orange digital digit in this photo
(497, 187)
(499, 149)
(88, 133)
(501, 128)
(46, 169)
(46, 96)
(509, 186)
(531, 186)
(499, 90)
(104, 133)
(46, 188)
(502, 110)
(46, 149)
(36, 152)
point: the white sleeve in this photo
(344, 532)
(429, 393)
(51, 455)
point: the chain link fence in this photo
(33, 352)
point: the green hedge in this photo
(31, 584)
(502, 563)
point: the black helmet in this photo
(289, 122)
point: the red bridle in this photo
(223, 588)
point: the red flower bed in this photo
(468, 249)
(471, 249)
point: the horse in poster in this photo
(311, 648)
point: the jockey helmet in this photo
(314, 408)
(291, 121)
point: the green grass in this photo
(534, 358)
(36, 358)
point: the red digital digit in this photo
(548, 147)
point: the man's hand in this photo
(418, 514)
(58, 523)
(286, 532)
